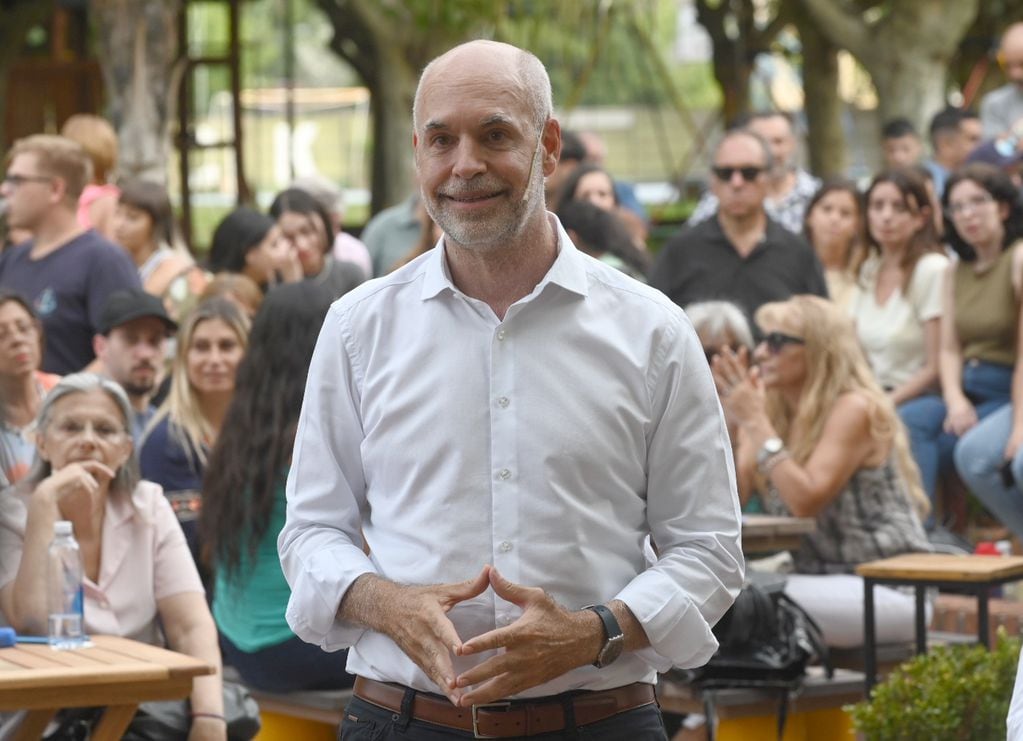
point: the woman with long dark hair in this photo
(244, 501)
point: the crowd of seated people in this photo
(864, 343)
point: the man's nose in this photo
(468, 162)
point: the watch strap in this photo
(611, 627)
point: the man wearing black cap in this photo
(133, 332)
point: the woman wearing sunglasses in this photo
(818, 437)
(981, 376)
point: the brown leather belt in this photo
(512, 718)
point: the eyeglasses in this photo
(106, 432)
(749, 174)
(775, 341)
(17, 180)
(970, 204)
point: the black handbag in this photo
(164, 721)
(766, 640)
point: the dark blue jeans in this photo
(364, 721)
(987, 385)
(292, 666)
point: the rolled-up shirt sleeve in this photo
(692, 511)
(321, 543)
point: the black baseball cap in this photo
(125, 305)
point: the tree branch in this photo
(842, 26)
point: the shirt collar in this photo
(568, 270)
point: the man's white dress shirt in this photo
(549, 444)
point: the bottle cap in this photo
(7, 637)
(62, 527)
(986, 548)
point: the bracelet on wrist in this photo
(767, 466)
(214, 716)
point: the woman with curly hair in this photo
(244, 503)
(818, 437)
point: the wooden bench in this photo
(310, 716)
(815, 710)
(975, 574)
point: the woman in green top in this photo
(978, 340)
(244, 502)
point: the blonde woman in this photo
(211, 343)
(818, 437)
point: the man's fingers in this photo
(496, 689)
(445, 631)
(514, 593)
(468, 589)
(492, 667)
(498, 638)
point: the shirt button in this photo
(500, 334)
(505, 546)
(503, 402)
(504, 473)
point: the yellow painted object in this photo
(831, 724)
(279, 727)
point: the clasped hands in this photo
(545, 642)
(739, 386)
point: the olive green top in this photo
(987, 311)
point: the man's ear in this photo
(551, 140)
(99, 345)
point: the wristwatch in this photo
(771, 447)
(614, 639)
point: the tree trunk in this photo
(906, 52)
(391, 106)
(137, 49)
(822, 103)
(733, 77)
(15, 23)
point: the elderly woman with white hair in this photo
(140, 581)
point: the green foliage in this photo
(953, 693)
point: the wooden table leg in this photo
(33, 724)
(113, 723)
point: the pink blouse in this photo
(144, 558)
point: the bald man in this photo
(488, 438)
(1003, 107)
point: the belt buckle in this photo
(475, 717)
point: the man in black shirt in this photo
(740, 255)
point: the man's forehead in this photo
(744, 148)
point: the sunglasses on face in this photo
(775, 341)
(749, 174)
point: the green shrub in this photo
(953, 693)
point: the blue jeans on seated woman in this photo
(292, 666)
(987, 385)
(980, 460)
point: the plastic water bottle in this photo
(65, 589)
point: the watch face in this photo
(611, 651)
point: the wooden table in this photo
(114, 673)
(768, 533)
(976, 574)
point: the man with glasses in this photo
(741, 254)
(789, 187)
(64, 271)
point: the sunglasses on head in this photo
(775, 341)
(749, 174)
